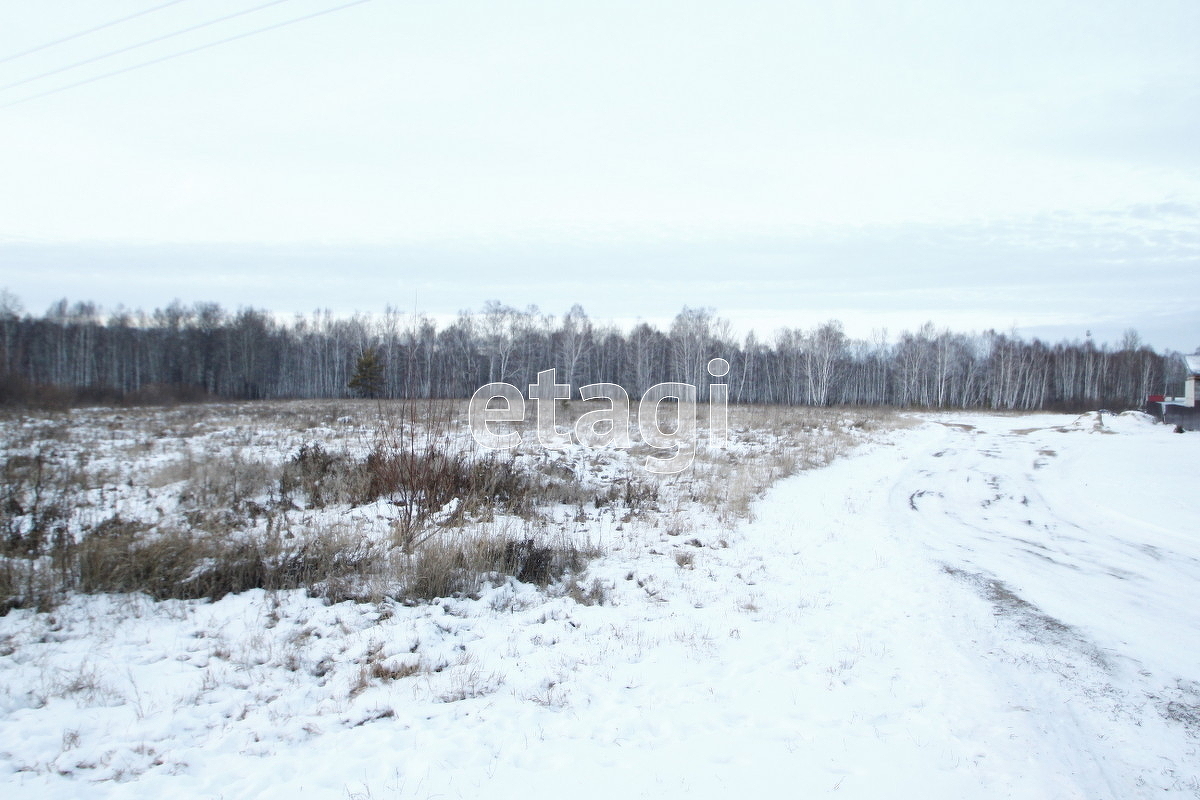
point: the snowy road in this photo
(991, 606)
(976, 607)
(1046, 573)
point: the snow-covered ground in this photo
(975, 606)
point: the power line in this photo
(145, 43)
(24, 53)
(183, 53)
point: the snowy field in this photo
(960, 605)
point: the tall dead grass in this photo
(231, 517)
(770, 443)
(214, 542)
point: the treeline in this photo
(201, 351)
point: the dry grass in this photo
(770, 443)
(457, 565)
(331, 564)
(257, 495)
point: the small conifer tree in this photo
(367, 380)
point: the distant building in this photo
(1180, 410)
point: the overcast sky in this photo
(1020, 164)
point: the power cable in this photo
(145, 43)
(24, 53)
(183, 53)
